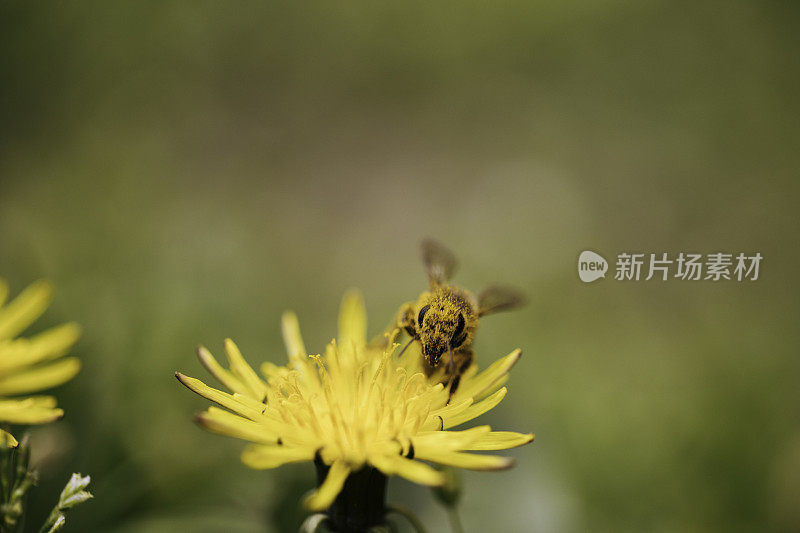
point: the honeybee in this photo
(444, 318)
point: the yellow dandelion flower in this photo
(358, 412)
(31, 364)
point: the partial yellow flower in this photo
(31, 364)
(352, 406)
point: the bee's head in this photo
(440, 325)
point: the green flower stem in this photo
(17, 480)
(449, 494)
(455, 520)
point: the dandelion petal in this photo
(411, 470)
(352, 319)
(262, 457)
(41, 377)
(323, 497)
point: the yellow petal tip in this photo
(508, 463)
(206, 359)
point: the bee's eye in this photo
(422, 314)
(458, 336)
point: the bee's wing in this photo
(440, 263)
(498, 298)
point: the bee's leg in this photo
(427, 368)
(450, 365)
(463, 358)
(405, 322)
(454, 386)
(412, 339)
(405, 319)
(452, 377)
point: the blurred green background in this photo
(185, 171)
